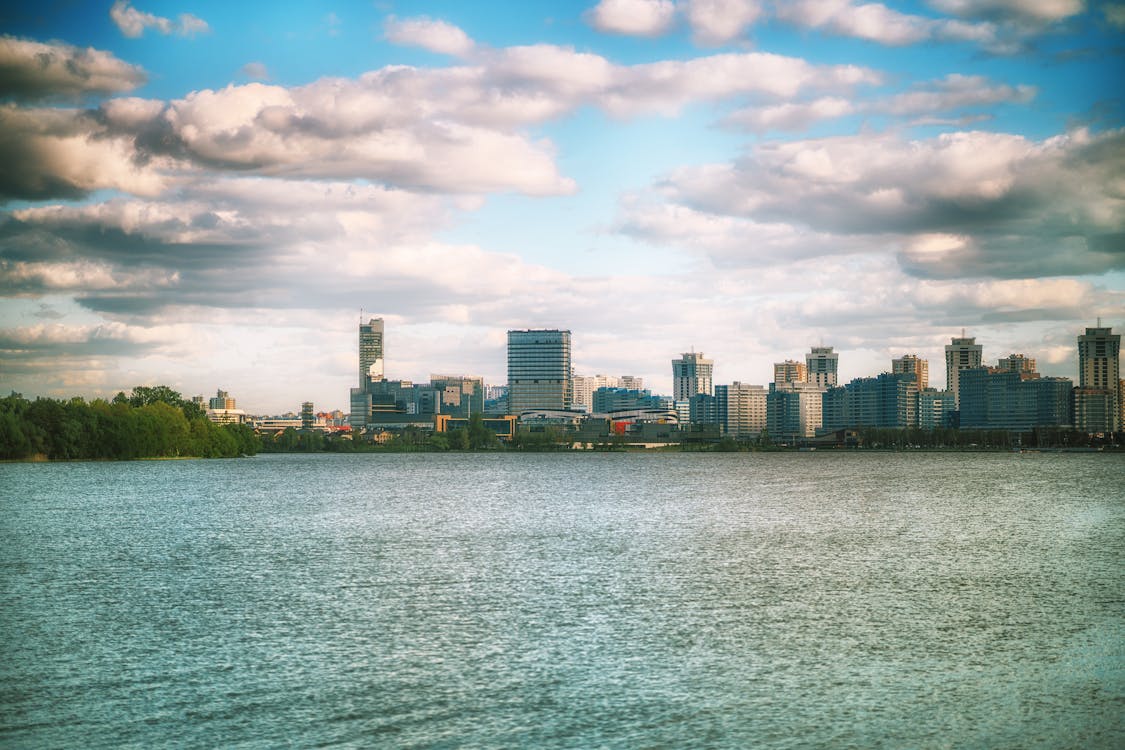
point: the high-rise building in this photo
(995, 399)
(308, 415)
(1099, 369)
(691, 374)
(790, 371)
(370, 351)
(820, 366)
(960, 354)
(742, 409)
(794, 410)
(908, 363)
(539, 372)
(458, 396)
(935, 409)
(1016, 363)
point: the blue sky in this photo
(206, 194)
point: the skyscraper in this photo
(915, 364)
(539, 372)
(691, 374)
(370, 351)
(1099, 370)
(821, 364)
(960, 354)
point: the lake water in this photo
(565, 601)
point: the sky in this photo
(209, 195)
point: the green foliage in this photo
(153, 423)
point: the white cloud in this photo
(790, 116)
(952, 93)
(34, 70)
(720, 21)
(133, 22)
(54, 152)
(872, 21)
(433, 35)
(633, 17)
(961, 204)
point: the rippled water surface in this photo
(627, 601)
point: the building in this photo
(606, 400)
(370, 351)
(935, 409)
(790, 371)
(960, 354)
(886, 400)
(1017, 400)
(915, 364)
(1016, 363)
(742, 409)
(703, 409)
(691, 374)
(821, 364)
(631, 382)
(539, 370)
(222, 409)
(794, 410)
(1099, 369)
(459, 396)
(1092, 410)
(308, 415)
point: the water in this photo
(565, 601)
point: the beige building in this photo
(960, 354)
(790, 371)
(915, 364)
(1099, 369)
(745, 409)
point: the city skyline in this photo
(206, 195)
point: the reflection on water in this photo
(780, 600)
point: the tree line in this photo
(151, 422)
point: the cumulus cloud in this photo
(35, 70)
(961, 204)
(953, 93)
(67, 153)
(433, 35)
(633, 17)
(719, 21)
(132, 22)
(458, 129)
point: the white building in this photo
(691, 374)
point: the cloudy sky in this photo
(206, 194)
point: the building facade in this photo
(790, 371)
(539, 370)
(912, 363)
(794, 411)
(821, 364)
(935, 409)
(370, 351)
(691, 374)
(742, 409)
(1099, 369)
(995, 399)
(960, 354)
